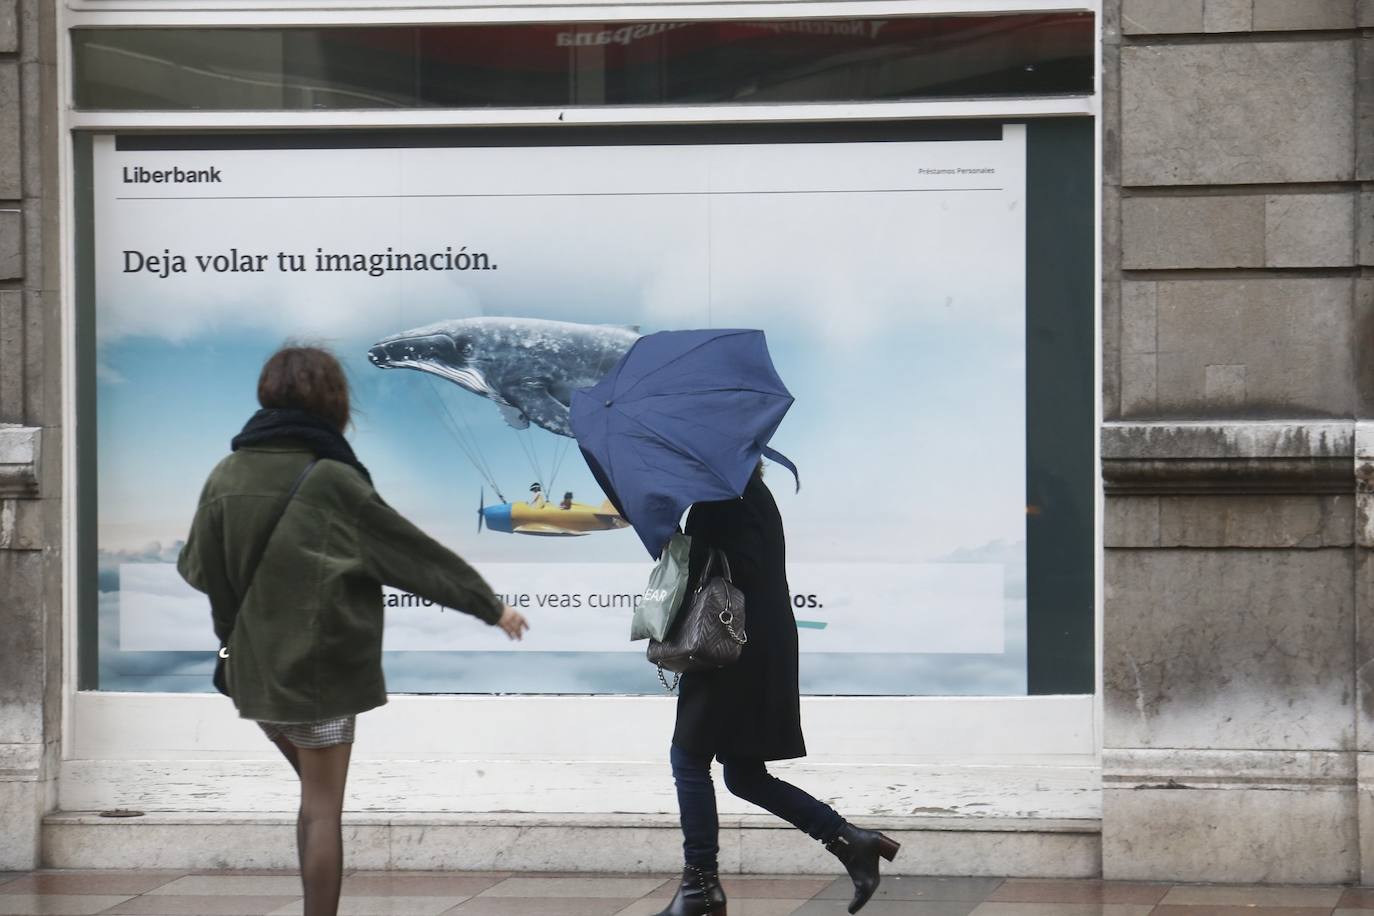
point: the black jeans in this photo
(750, 780)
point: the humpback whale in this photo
(529, 366)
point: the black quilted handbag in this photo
(709, 632)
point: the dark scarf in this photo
(272, 424)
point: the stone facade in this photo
(1239, 729)
(30, 430)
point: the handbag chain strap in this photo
(728, 620)
(677, 676)
(727, 616)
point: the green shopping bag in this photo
(663, 595)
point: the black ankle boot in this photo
(699, 894)
(859, 850)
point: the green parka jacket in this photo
(307, 643)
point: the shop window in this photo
(926, 289)
(572, 64)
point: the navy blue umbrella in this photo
(682, 418)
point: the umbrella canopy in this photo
(682, 418)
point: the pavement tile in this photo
(1241, 910)
(416, 885)
(110, 883)
(403, 873)
(896, 887)
(167, 905)
(1062, 909)
(534, 906)
(66, 892)
(772, 888)
(1357, 898)
(747, 906)
(624, 888)
(667, 889)
(758, 906)
(1250, 895)
(254, 872)
(577, 874)
(381, 906)
(216, 885)
(888, 908)
(1048, 890)
(58, 904)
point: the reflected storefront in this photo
(568, 63)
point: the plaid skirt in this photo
(313, 735)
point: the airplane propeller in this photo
(481, 509)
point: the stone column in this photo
(30, 433)
(1237, 316)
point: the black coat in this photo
(751, 708)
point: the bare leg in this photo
(324, 773)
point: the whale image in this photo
(529, 366)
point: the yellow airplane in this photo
(546, 519)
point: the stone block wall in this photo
(1238, 309)
(30, 430)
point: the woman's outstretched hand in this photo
(513, 622)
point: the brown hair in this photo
(306, 378)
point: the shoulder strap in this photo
(272, 529)
(725, 565)
(711, 558)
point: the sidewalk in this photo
(173, 893)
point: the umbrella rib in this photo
(648, 398)
(659, 368)
(678, 394)
(675, 447)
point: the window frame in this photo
(1057, 736)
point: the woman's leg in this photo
(319, 830)
(750, 780)
(293, 757)
(857, 849)
(696, 804)
(700, 893)
(288, 750)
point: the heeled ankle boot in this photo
(859, 851)
(700, 894)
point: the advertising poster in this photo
(470, 289)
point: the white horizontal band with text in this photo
(1068, 106)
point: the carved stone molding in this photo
(1235, 457)
(20, 448)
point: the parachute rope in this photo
(465, 438)
(533, 459)
(468, 442)
(561, 452)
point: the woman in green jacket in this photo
(293, 545)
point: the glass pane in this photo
(912, 363)
(580, 64)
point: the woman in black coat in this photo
(750, 712)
